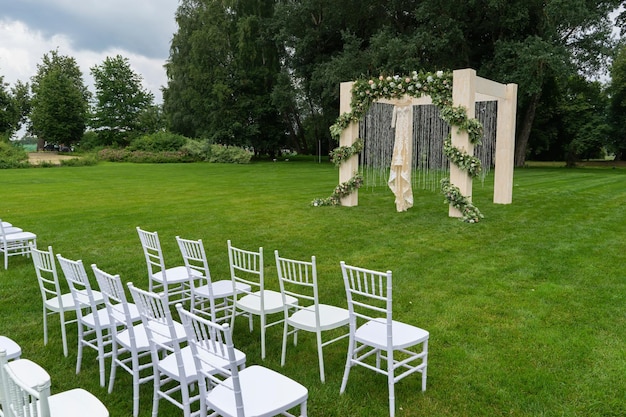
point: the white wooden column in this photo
(505, 146)
(463, 94)
(349, 135)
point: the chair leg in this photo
(303, 410)
(101, 361)
(390, 383)
(392, 401)
(320, 355)
(113, 367)
(284, 350)
(45, 326)
(155, 396)
(425, 362)
(135, 368)
(262, 335)
(79, 357)
(346, 372)
(63, 332)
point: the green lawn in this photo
(526, 310)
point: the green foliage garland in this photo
(462, 159)
(453, 197)
(343, 153)
(438, 86)
(342, 190)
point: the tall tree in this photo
(617, 106)
(60, 100)
(14, 107)
(222, 68)
(120, 101)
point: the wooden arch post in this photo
(347, 138)
(467, 89)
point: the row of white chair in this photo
(14, 241)
(25, 390)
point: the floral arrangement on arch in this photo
(438, 86)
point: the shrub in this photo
(229, 154)
(85, 160)
(157, 142)
(90, 140)
(12, 156)
(126, 155)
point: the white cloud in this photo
(88, 31)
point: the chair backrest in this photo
(78, 281)
(115, 299)
(298, 279)
(246, 267)
(46, 270)
(214, 354)
(22, 400)
(369, 295)
(157, 320)
(197, 265)
(152, 251)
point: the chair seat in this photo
(374, 333)
(275, 392)
(65, 300)
(141, 336)
(20, 236)
(273, 302)
(221, 289)
(76, 403)
(169, 366)
(13, 350)
(104, 319)
(12, 229)
(175, 275)
(331, 317)
(29, 372)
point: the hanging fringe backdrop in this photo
(429, 133)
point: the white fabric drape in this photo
(400, 174)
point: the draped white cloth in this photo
(400, 173)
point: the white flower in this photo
(429, 79)
(439, 74)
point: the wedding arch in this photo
(456, 95)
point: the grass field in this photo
(526, 310)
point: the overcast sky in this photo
(89, 31)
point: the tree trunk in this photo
(521, 142)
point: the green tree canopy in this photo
(617, 105)
(222, 68)
(60, 100)
(14, 107)
(120, 102)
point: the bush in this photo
(191, 151)
(158, 142)
(229, 154)
(12, 156)
(126, 155)
(90, 141)
(85, 160)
